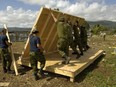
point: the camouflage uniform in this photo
(5, 54)
(6, 59)
(70, 39)
(63, 43)
(77, 40)
(83, 35)
(34, 58)
(84, 29)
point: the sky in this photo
(23, 13)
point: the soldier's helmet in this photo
(62, 19)
(35, 31)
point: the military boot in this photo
(4, 70)
(75, 53)
(9, 71)
(78, 55)
(36, 76)
(41, 72)
(63, 61)
(87, 47)
(67, 60)
(81, 53)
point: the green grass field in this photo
(104, 68)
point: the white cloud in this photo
(17, 17)
(91, 10)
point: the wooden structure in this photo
(46, 24)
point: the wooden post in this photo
(10, 48)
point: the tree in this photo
(99, 28)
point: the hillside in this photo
(11, 29)
(110, 24)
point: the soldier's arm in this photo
(6, 40)
(8, 43)
(40, 47)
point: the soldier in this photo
(77, 40)
(36, 54)
(63, 43)
(5, 54)
(83, 34)
(71, 41)
(83, 37)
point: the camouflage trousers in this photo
(36, 57)
(63, 47)
(72, 44)
(78, 42)
(84, 42)
(6, 58)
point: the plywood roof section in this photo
(46, 24)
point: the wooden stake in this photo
(10, 48)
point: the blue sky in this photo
(22, 13)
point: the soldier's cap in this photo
(35, 31)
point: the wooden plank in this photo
(51, 34)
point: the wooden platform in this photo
(74, 68)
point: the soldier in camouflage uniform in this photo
(5, 54)
(36, 54)
(71, 41)
(83, 35)
(77, 40)
(63, 43)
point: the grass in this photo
(105, 73)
